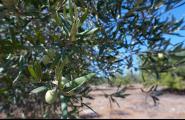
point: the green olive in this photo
(50, 96)
(46, 59)
(160, 55)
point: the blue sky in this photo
(178, 13)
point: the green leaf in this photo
(35, 71)
(51, 53)
(173, 57)
(84, 17)
(32, 72)
(18, 77)
(92, 31)
(66, 25)
(64, 12)
(178, 47)
(88, 32)
(59, 68)
(74, 30)
(180, 54)
(64, 106)
(78, 82)
(40, 37)
(38, 90)
(71, 9)
(38, 70)
(3, 90)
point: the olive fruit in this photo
(160, 55)
(51, 96)
(63, 81)
(46, 59)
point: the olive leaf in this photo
(74, 30)
(64, 106)
(78, 82)
(84, 17)
(59, 70)
(32, 72)
(38, 90)
(71, 9)
(88, 32)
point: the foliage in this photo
(44, 41)
(169, 71)
(39, 45)
(172, 82)
(125, 80)
(167, 80)
(129, 26)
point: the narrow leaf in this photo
(84, 17)
(32, 72)
(38, 90)
(78, 82)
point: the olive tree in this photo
(59, 45)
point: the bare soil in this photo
(136, 105)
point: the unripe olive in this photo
(46, 59)
(174, 68)
(160, 55)
(63, 81)
(51, 96)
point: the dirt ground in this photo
(171, 106)
(134, 106)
